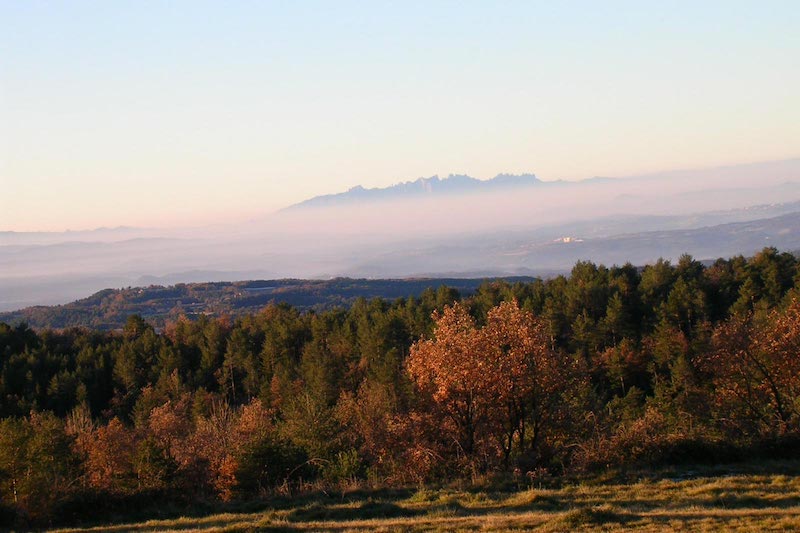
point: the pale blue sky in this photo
(165, 113)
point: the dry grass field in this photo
(754, 498)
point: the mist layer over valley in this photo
(457, 227)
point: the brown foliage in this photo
(755, 367)
(109, 461)
(221, 438)
(366, 417)
(492, 387)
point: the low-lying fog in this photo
(542, 228)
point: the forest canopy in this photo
(605, 367)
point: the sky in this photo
(189, 112)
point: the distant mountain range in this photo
(435, 227)
(451, 185)
(725, 177)
(118, 233)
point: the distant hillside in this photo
(539, 251)
(108, 309)
(95, 235)
(451, 185)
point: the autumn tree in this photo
(240, 449)
(755, 367)
(453, 370)
(496, 385)
(531, 374)
(110, 457)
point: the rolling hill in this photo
(109, 309)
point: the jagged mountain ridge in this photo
(451, 185)
(731, 177)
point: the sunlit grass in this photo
(713, 500)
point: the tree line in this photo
(605, 367)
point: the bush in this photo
(268, 463)
(99, 506)
(8, 516)
(649, 441)
(345, 466)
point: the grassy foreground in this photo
(753, 498)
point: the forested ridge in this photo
(606, 367)
(109, 309)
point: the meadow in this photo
(750, 497)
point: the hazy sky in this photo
(154, 113)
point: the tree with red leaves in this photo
(493, 386)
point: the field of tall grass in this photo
(763, 497)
